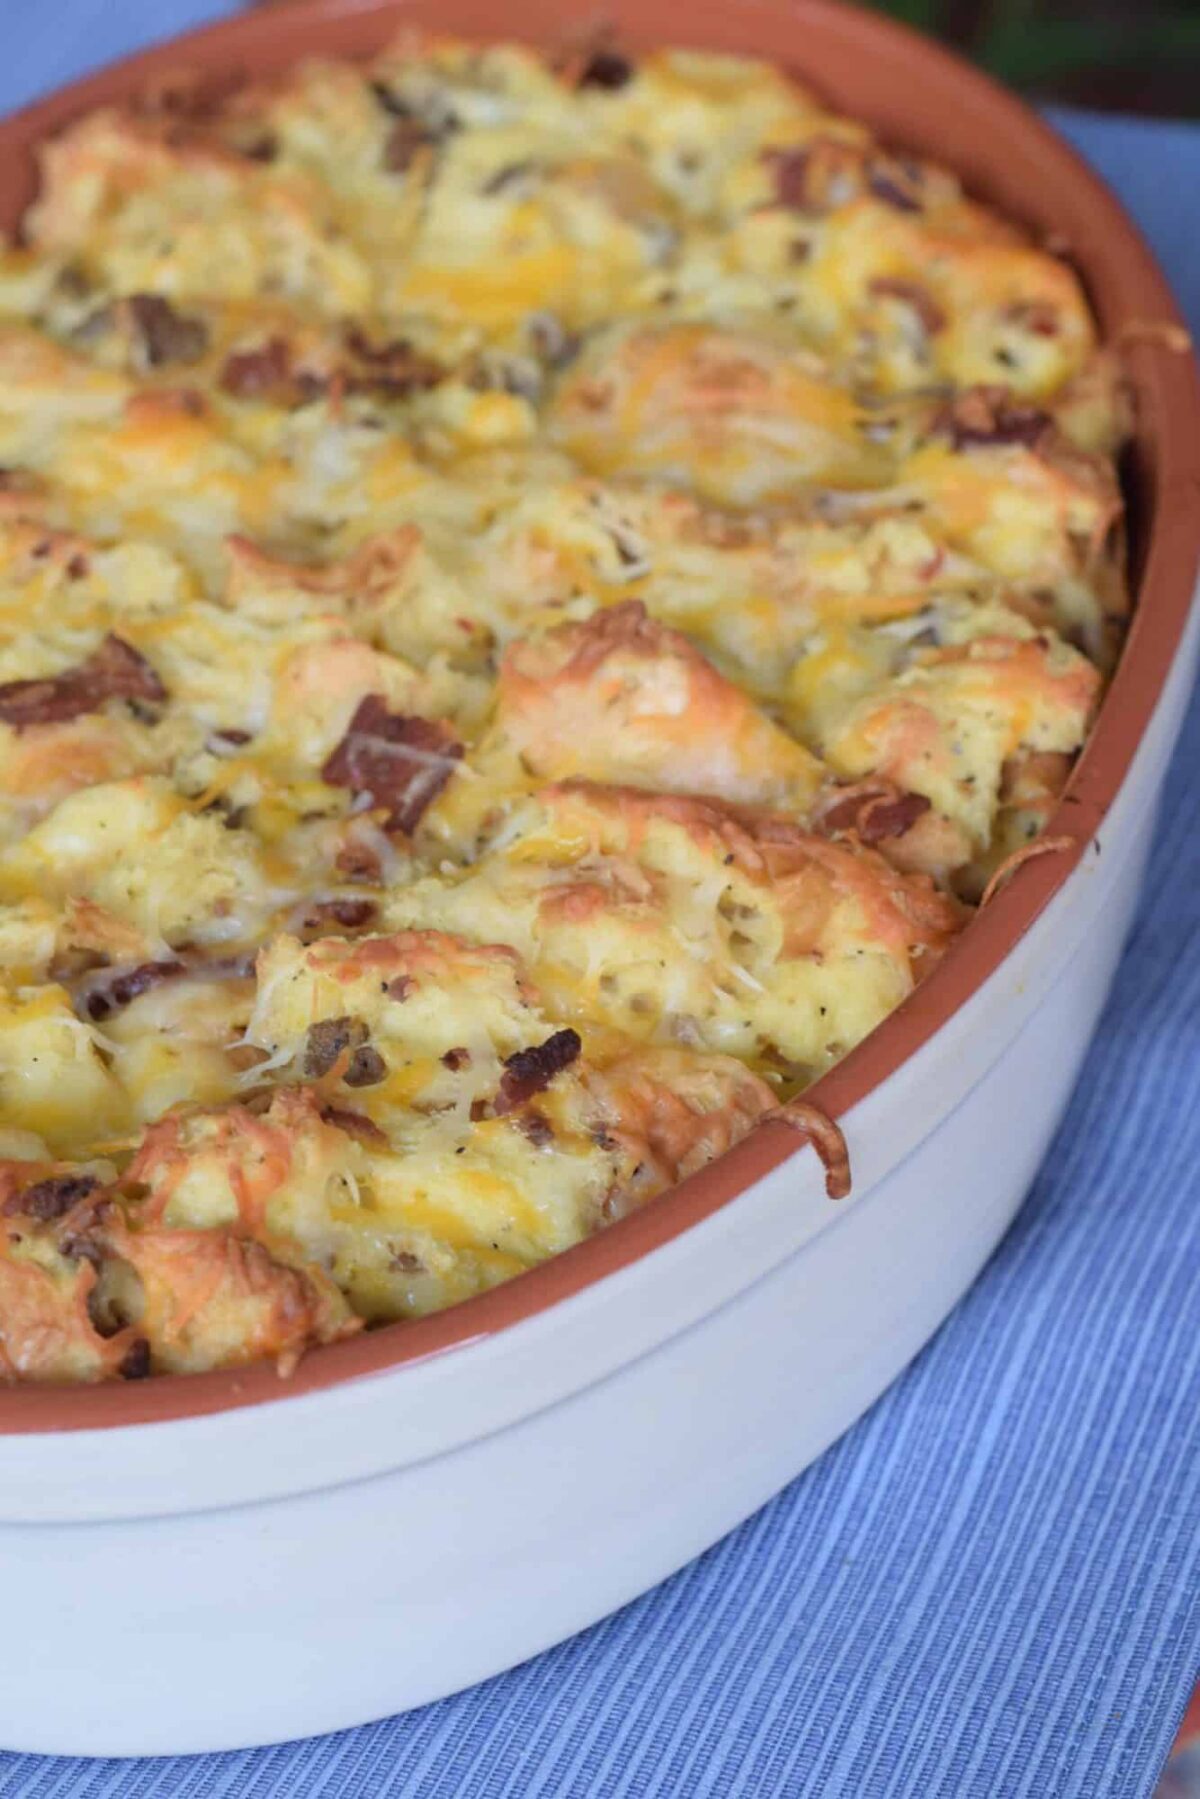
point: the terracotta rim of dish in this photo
(920, 97)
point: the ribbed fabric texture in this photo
(990, 1589)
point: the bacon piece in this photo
(115, 671)
(332, 1042)
(606, 69)
(986, 416)
(251, 373)
(135, 1363)
(895, 187)
(114, 988)
(164, 334)
(827, 172)
(156, 333)
(873, 811)
(355, 1124)
(49, 1199)
(401, 762)
(392, 370)
(268, 373)
(800, 176)
(228, 738)
(329, 1039)
(366, 1068)
(348, 914)
(529, 1071)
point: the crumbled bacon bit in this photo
(401, 762)
(882, 818)
(220, 742)
(164, 334)
(261, 149)
(791, 171)
(454, 1059)
(135, 1363)
(329, 1039)
(52, 1198)
(606, 69)
(874, 812)
(401, 988)
(355, 1124)
(826, 1137)
(115, 671)
(895, 189)
(529, 1071)
(348, 914)
(988, 416)
(392, 370)
(114, 988)
(827, 172)
(264, 373)
(366, 1068)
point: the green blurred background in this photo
(1140, 56)
(1113, 54)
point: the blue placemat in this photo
(991, 1587)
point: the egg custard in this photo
(535, 594)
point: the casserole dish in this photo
(598, 1382)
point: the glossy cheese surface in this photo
(535, 593)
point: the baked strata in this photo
(536, 592)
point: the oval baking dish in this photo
(736, 1324)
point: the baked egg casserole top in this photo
(536, 593)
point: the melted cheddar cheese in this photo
(535, 593)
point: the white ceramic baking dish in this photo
(221, 1560)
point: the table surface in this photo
(991, 1586)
